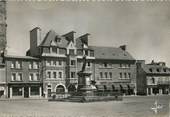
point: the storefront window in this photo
(35, 90)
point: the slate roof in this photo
(52, 36)
(20, 57)
(156, 69)
(110, 53)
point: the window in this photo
(150, 69)
(120, 75)
(164, 69)
(129, 75)
(105, 74)
(73, 74)
(158, 70)
(60, 63)
(60, 74)
(105, 64)
(86, 52)
(54, 63)
(19, 64)
(101, 75)
(73, 62)
(71, 51)
(120, 65)
(128, 65)
(88, 64)
(54, 75)
(31, 77)
(19, 77)
(31, 65)
(12, 64)
(35, 65)
(48, 74)
(48, 63)
(91, 53)
(110, 74)
(153, 80)
(54, 50)
(13, 77)
(125, 75)
(36, 77)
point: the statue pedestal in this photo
(84, 83)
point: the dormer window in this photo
(164, 69)
(86, 52)
(71, 51)
(158, 70)
(58, 40)
(150, 70)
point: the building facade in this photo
(23, 77)
(153, 78)
(62, 58)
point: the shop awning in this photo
(116, 86)
(109, 87)
(100, 87)
(124, 86)
(131, 86)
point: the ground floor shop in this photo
(124, 88)
(3, 91)
(158, 89)
(24, 90)
(53, 88)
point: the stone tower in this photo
(3, 25)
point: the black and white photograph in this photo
(84, 58)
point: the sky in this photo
(143, 26)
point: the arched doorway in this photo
(60, 89)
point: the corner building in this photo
(61, 59)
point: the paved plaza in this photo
(129, 107)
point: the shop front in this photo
(24, 90)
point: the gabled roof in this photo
(79, 44)
(110, 53)
(52, 37)
(156, 69)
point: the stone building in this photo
(153, 78)
(62, 58)
(23, 77)
(3, 87)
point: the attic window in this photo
(125, 55)
(113, 54)
(164, 69)
(57, 39)
(150, 70)
(102, 53)
(158, 70)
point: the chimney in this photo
(35, 41)
(84, 38)
(140, 63)
(35, 36)
(70, 36)
(123, 47)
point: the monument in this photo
(85, 84)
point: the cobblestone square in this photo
(139, 106)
